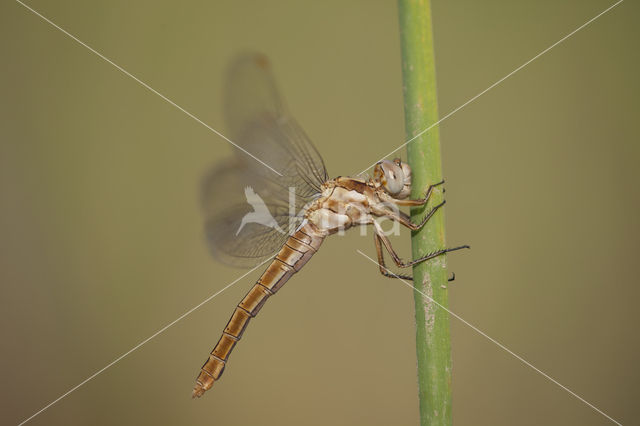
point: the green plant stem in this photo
(433, 342)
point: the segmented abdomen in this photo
(290, 259)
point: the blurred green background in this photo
(101, 235)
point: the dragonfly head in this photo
(394, 177)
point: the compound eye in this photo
(406, 190)
(393, 177)
(407, 172)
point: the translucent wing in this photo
(247, 209)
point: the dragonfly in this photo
(251, 213)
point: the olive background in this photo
(102, 243)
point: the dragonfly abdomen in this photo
(296, 252)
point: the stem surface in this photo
(433, 342)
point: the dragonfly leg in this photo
(402, 264)
(421, 201)
(383, 269)
(406, 221)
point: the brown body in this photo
(292, 256)
(344, 202)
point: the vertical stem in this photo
(433, 344)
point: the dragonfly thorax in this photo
(345, 202)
